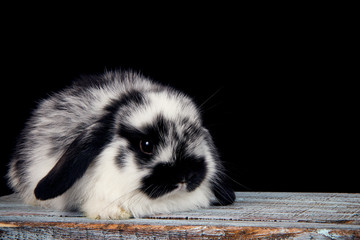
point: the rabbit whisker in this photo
(209, 98)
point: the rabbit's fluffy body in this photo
(117, 145)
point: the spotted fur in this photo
(83, 149)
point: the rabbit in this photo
(118, 145)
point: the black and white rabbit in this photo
(118, 145)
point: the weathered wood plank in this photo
(290, 207)
(254, 215)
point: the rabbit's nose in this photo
(182, 186)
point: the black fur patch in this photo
(121, 157)
(165, 176)
(153, 132)
(133, 97)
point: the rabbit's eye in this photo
(146, 146)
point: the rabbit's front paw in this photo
(115, 212)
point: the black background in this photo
(279, 99)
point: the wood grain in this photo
(255, 215)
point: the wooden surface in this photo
(255, 215)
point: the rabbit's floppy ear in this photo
(74, 162)
(221, 185)
(223, 191)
